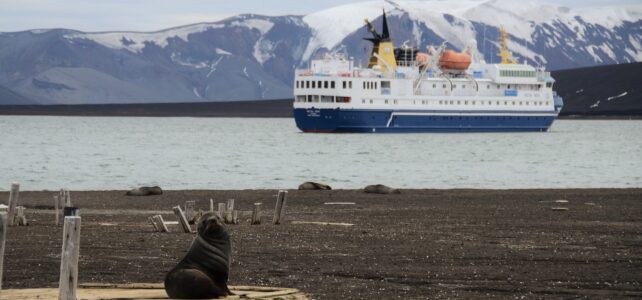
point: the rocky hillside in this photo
(251, 57)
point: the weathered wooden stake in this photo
(69, 259)
(68, 199)
(153, 222)
(280, 204)
(189, 209)
(4, 223)
(221, 210)
(182, 220)
(235, 217)
(229, 212)
(56, 203)
(158, 219)
(256, 214)
(21, 219)
(211, 205)
(13, 202)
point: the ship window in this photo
(451, 102)
(375, 85)
(364, 85)
(463, 86)
(331, 84)
(454, 86)
(508, 87)
(466, 102)
(386, 102)
(327, 99)
(520, 103)
(314, 84)
(444, 85)
(307, 84)
(434, 85)
(370, 101)
(440, 102)
(473, 102)
(505, 102)
(549, 84)
(488, 86)
(319, 84)
(325, 84)
(315, 98)
(395, 101)
(297, 84)
(344, 84)
(363, 101)
(300, 98)
(309, 98)
(349, 84)
(458, 102)
(498, 86)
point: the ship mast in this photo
(506, 56)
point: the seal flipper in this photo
(192, 284)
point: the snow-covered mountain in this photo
(253, 57)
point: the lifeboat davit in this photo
(454, 61)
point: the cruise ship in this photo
(405, 90)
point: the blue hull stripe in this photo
(357, 120)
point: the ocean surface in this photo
(103, 153)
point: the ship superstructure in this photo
(405, 90)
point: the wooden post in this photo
(182, 220)
(161, 223)
(69, 259)
(211, 205)
(20, 216)
(13, 202)
(229, 213)
(189, 209)
(56, 202)
(67, 198)
(4, 223)
(235, 217)
(280, 204)
(256, 214)
(221, 210)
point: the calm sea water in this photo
(219, 153)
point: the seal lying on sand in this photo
(380, 189)
(145, 191)
(314, 186)
(203, 272)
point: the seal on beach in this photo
(308, 186)
(380, 189)
(203, 272)
(145, 191)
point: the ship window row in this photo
(516, 73)
(320, 84)
(488, 86)
(369, 85)
(322, 99)
(468, 102)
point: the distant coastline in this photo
(231, 109)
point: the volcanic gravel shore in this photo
(420, 244)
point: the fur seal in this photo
(380, 189)
(203, 272)
(145, 191)
(314, 186)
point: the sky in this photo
(150, 15)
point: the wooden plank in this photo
(4, 224)
(322, 223)
(256, 214)
(339, 203)
(153, 222)
(13, 202)
(211, 205)
(69, 259)
(21, 219)
(229, 212)
(182, 220)
(68, 198)
(280, 204)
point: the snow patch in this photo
(213, 66)
(264, 50)
(220, 51)
(591, 51)
(245, 72)
(596, 104)
(136, 41)
(262, 26)
(579, 91)
(196, 92)
(176, 57)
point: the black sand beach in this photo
(420, 244)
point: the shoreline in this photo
(436, 244)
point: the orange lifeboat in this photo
(454, 61)
(422, 58)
